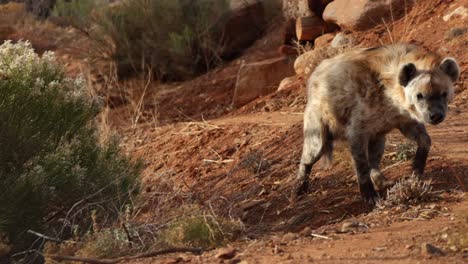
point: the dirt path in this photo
(382, 241)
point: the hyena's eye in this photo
(444, 94)
(419, 96)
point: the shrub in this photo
(53, 170)
(205, 231)
(175, 39)
(77, 13)
(407, 191)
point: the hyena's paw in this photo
(380, 181)
(368, 193)
(300, 187)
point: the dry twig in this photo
(197, 251)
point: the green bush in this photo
(175, 39)
(53, 171)
(77, 12)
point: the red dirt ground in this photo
(238, 162)
(208, 160)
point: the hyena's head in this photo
(429, 91)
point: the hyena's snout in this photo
(436, 117)
(436, 114)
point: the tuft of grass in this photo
(205, 231)
(405, 151)
(408, 191)
(255, 163)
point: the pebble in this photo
(226, 253)
(431, 250)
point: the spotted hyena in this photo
(361, 95)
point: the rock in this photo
(318, 6)
(364, 14)
(301, 8)
(293, 9)
(353, 226)
(226, 253)
(173, 260)
(431, 250)
(461, 12)
(455, 32)
(245, 23)
(287, 82)
(323, 40)
(260, 78)
(288, 237)
(303, 63)
(341, 40)
(306, 231)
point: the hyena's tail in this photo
(327, 150)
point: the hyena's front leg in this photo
(376, 151)
(359, 145)
(417, 132)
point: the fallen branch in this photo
(44, 236)
(196, 251)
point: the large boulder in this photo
(260, 78)
(364, 14)
(301, 8)
(245, 23)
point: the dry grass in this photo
(406, 192)
(405, 151)
(202, 230)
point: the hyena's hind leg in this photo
(376, 150)
(315, 143)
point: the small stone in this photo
(289, 237)
(431, 250)
(226, 253)
(352, 226)
(340, 40)
(379, 249)
(461, 12)
(453, 248)
(306, 231)
(173, 260)
(455, 32)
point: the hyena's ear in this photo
(407, 73)
(450, 67)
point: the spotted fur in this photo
(361, 95)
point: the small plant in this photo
(203, 231)
(173, 39)
(408, 191)
(405, 151)
(54, 172)
(78, 13)
(255, 163)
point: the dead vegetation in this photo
(406, 192)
